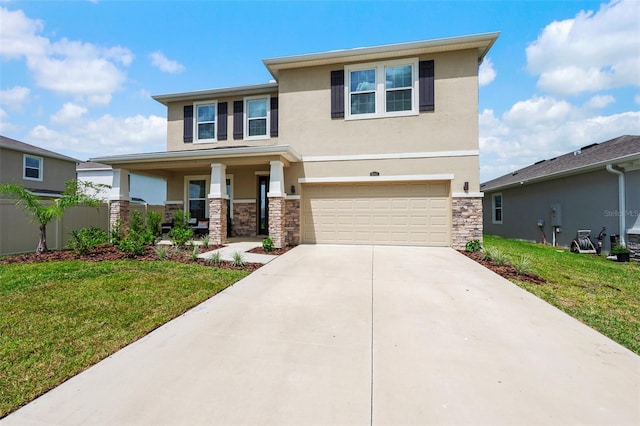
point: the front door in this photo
(263, 205)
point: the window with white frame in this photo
(496, 208)
(205, 121)
(32, 167)
(382, 89)
(257, 117)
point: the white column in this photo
(218, 186)
(276, 180)
(120, 185)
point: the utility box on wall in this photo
(556, 215)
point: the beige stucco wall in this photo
(55, 172)
(175, 113)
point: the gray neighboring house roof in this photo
(15, 145)
(92, 165)
(619, 150)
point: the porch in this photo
(228, 192)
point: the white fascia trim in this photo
(396, 178)
(244, 201)
(174, 202)
(391, 156)
(467, 194)
(292, 197)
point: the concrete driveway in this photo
(359, 335)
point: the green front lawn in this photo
(601, 293)
(58, 318)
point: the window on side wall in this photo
(384, 89)
(32, 167)
(205, 121)
(257, 117)
(496, 201)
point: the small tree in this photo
(75, 194)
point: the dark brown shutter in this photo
(274, 118)
(337, 94)
(425, 75)
(187, 135)
(222, 121)
(238, 119)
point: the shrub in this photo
(133, 244)
(139, 227)
(238, 259)
(162, 252)
(473, 246)
(493, 254)
(85, 240)
(214, 258)
(619, 249)
(522, 265)
(181, 231)
(205, 240)
(154, 223)
(267, 244)
(193, 253)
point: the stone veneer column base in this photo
(119, 214)
(218, 221)
(466, 220)
(244, 220)
(292, 221)
(277, 222)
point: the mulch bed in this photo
(506, 271)
(110, 253)
(274, 252)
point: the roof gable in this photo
(15, 145)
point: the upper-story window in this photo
(257, 110)
(32, 167)
(205, 121)
(381, 89)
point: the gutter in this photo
(621, 202)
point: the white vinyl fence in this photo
(18, 234)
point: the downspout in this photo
(622, 209)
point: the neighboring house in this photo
(592, 187)
(143, 189)
(375, 145)
(39, 170)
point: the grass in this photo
(603, 294)
(58, 318)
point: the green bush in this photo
(133, 244)
(522, 265)
(140, 228)
(473, 246)
(154, 223)
(181, 231)
(85, 240)
(214, 258)
(238, 259)
(495, 255)
(162, 252)
(267, 244)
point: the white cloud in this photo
(161, 62)
(600, 101)
(637, 99)
(591, 52)
(15, 97)
(64, 66)
(68, 114)
(486, 73)
(102, 136)
(512, 141)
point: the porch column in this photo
(119, 200)
(277, 211)
(218, 204)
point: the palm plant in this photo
(75, 194)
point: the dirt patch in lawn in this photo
(111, 253)
(506, 271)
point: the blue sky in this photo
(77, 77)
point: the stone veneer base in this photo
(466, 220)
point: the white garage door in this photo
(407, 213)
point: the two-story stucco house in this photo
(375, 145)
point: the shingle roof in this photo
(583, 159)
(15, 145)
(91, 165)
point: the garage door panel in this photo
(416, 213)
